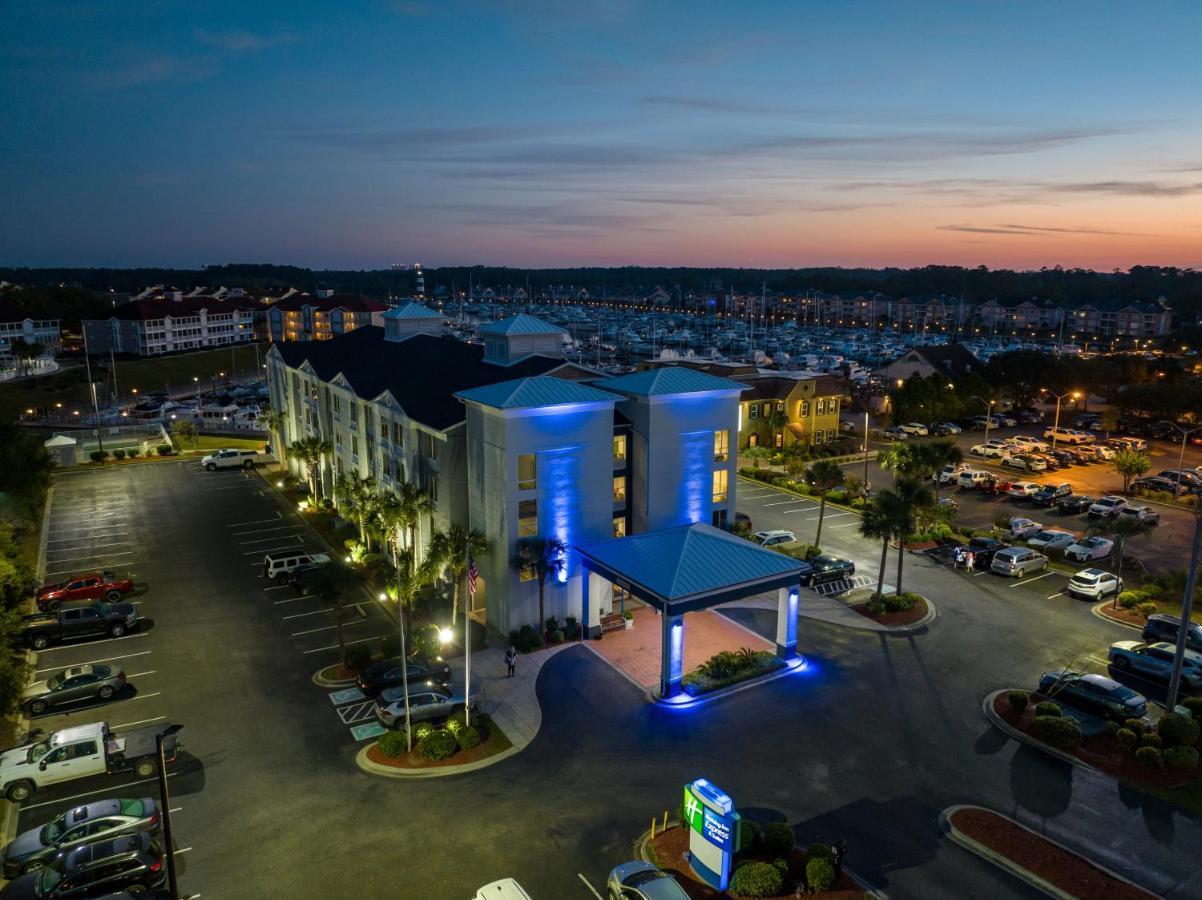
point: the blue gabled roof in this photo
(520, 324)
(413, 310)
(527, 393)
(688, 560)
(669, 380)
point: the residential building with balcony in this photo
(46, 332)
(304, 317)
(151, 327)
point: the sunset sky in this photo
(534, 133)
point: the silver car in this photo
(1155, 661)
(94, 821)
(642, 881)
(425, 703)
(1017, 561)
(72, 685)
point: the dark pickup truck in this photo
(78, 623)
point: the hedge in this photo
(820, 874)
(777, 839)
(468, 737)
(439, 744)
(1184, 758)
(1018, 700)
(1177, 731)
(1061, 732)
(1148, 757)
(393, 743)
(757, 879)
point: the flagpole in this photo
(467, 636)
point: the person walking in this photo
(969, 561)
(511, 660)
(959, 560)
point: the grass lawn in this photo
(208, 442)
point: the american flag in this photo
(472, 575)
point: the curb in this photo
(330, 682)
(654, 698)
(374, 768)
(903, 630)
(1014, 868)
(1096, 609)
(1010, 731)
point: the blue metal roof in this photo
(669, 380)
(541, 390)
(676, 564)
(413, 310)
(520, 324)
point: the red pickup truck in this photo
(84, 586)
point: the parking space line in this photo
(278, 537)
(265, 530)
(589, 885)
(335, 646)
(278, 517)
(845, 525)
(328, 627)
(798, 509)
(830, 516)
(292, 599)
(93, 661)
(778, 503)
(277, 587)
(65, 540)
(71, 559)
(1029, 580)
(140, 674)
(125, 637)
(328, 609)
(146, 696)
(139, 722)
(296, 537)
(74, 569)
(103, 790)
(1055, 595)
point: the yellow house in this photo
(779, 411)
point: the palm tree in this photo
(934, 456)
(361, 496)
(878, 523)
(826, 476)
(543, 556)
(400, 514)
(757, 455)
(913, 496)
(900, 459)
(451, 547)
(329, 584)
(274, 422)
(311, 451)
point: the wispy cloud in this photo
(714, 105)
(153, 68)
(1034, 230)
(1128, 188)
(240, 41)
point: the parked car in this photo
(1051, 463)
(1021, 527)
(982, 550)
(990, 450)
(1065, 435)
(1145, 514)
(994, 486)
(1107, 508)
(1024, 462)
(1087, 549)
(1051, 539)
(94, 870)
(944, 428)
(825, 569)
(425, 703)
(386, 673)
(279, 565)
(1063, 457)
(1074, 504)
(772, 538)
(71, 685)
(1095, 694)
(1081, 456)
(1050, 494)
(1102, 452)
(1004, 421)
(95, 821)
(949, 474)
(642, 881)
(1094, 584)
(1187, 477)
(1156, 483)
(1024, 490)
(917, 429)
(1017, 562)
(78, 623)
(1028, 417)
(230, 459)
(1128, 443)
(83, 586)
(893, 433)
(1024, 442)
(971, 478)
(1164, 627)
(1155, 661)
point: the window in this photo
(753, 411)
(398, 436)
(337, 438)
(355, 444)
(767, 410)
(619, 489)
(619, 526)
(830, 435)
(780, 406)
(354, 411)
(527, 518)
(753, 440)
(426, 445)
(778, 440)
(805, 408)
(820, 407)
(817, 437)
(527, 472)
(721, 445)
(619, 446)
(337, 404)
(720, 486)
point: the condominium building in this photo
(511, 439)
(46, 332)
(151, 327)
(304, 317)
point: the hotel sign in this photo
(713, 828)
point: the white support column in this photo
(786, 621)
(671, 655)
(593, 591)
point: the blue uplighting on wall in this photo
(697, 481)
(559, 479)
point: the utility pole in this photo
(1187, 609)
(165, 811)
(87, 360)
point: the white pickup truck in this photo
(230, 459)
(80, 752)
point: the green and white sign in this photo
(694, 811)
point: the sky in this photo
(537, 133)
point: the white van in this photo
(279, 565)
(971, 478)
(505, 889)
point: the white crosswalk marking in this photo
(356, 712)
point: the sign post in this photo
(713, 832)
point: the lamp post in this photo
(866, 446)
(1187, 609)
(1056, 423)
(165, 812)
(988, 412)
(1185, 433)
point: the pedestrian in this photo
(511, 660)
(839, 850)
(969, 561)
(959, 561)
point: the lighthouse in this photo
(419, 287)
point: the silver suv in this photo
(1018, 561)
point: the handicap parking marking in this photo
(357, 712)
(346, 696)
(367, 731)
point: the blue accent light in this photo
(697, 481)
(559, 475)
(676, 661)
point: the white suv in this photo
(1107, 507)
(1094, 584)
(1068, 435)
(771, 538)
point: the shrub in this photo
(882, 603)
(837, 495)
(422, 731)
(1125, 738)
(392, 743)
(118, 453)
(1151, 739)
(468, 737)
(454, 724)
(820, 851)
(1194, 705)
(390, 645)
(133, 452)
(1139, 726)
(358, 657)
(782, 864)
(1047, 708)
(523, 639)
(1177, 731)
(820, 874)
(1148, 757)
(1131, 599)
(1061, 732)
(1146, 608)
(757, 879)
(746, 472)
(1185, 758)
(777, 839)
(1151, 591)
(781, 481)
(98, 455)
(163, 449)
(439, 744)
(557, 636)
(811, 551)
(1018, 700)
(749, 831)
(552, 624)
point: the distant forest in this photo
(1182, 288)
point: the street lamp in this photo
(165, 812)
(1185, 433)
(1076, 395)
(1187, 610)
(988, 412)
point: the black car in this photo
(387, 673)
(1164, 627)
(1064, 457)
(1082, 457)
(91, 870)
(983, 550)
(940, 429)
(300, 575)
(825, 569)
(1028, 417)
(1051, 493)
(1156, 483)
(1075, 503)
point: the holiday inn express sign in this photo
(713, 829)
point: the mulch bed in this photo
(1065, 870)
(338, 672)
(1126, 616)
(1101, 751)
(905, 617)
(668, 850)
(493, 742)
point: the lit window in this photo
(778, 440)
(527, 518)
(619, 526)
(817, 437)
(720, 486)
(619, 488)
(619, 446)
(753, 411)
(753, 440)
(527, 472)
(721, 445)
(805, 408)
